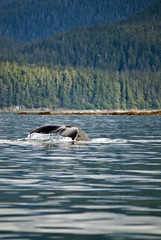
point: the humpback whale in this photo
(75, 133)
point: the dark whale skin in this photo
(71, 131)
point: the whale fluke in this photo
(75, 133)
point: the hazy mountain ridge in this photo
(28, 20)
(111, 66)
(114, 47)
(4, 1)
(149, 16)
(131, 44)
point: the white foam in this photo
(38, 136)
(108, 140)
(51, 138)
(2, 141)
(35, 138)
(146, 141)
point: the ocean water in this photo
(54, 188)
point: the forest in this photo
(107, 66)
(130, 45)
(34, 86)
(29, 20)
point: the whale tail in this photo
(75, 133)
(64, 131)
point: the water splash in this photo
(38, 138)
(108, 140)
(48, 137)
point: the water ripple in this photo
(54, 188)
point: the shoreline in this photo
(92, 112)
(21, 110)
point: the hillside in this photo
(33, 86)
(29, 20)
(4, 1)
(110, 66)
(150, 16)
(9, 48)
(131, 45)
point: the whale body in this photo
(74, 132)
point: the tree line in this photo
(34, 86)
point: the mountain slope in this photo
(108, 66)
(134, 44)
(149, 16)
(28, 20)
(4, 1)
(9, 48)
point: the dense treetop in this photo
(34, 86)
(108, 66)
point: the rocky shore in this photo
(92, 112)
(21, 110)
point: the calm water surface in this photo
(109, 188)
